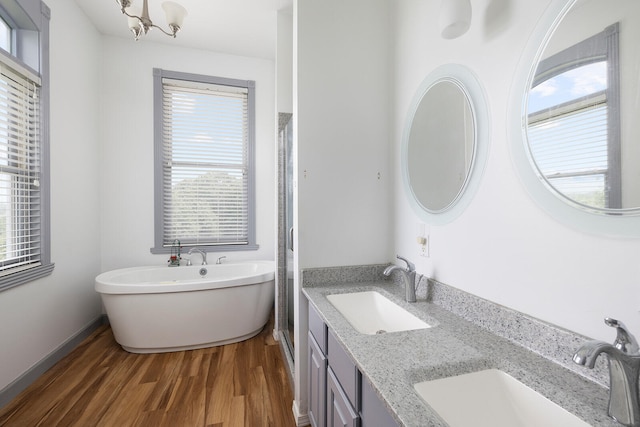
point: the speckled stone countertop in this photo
(393, 362)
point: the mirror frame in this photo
(470, 86)
(559, 207)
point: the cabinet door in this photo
(339, 410)
(373, 413)
(317, 384)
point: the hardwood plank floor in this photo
(100, 384)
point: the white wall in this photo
(503, 247)
(342, 132)
(284, 62)
(127, 145)
(38, 317)
(341, 124)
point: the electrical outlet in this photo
(423, 246)
(423, 240)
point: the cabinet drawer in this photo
(317, 328)
(344, 368)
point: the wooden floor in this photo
(100, 384)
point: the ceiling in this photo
(237, 27)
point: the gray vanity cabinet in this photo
(344, 369)
(372, 412)
(317, 369)
(317, 383)
(340, 413)
(343, 381)
(339, 395)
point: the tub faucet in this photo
(201, 252)
(408, 275)
(624, 372)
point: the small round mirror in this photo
(441, 145)
(442, 142)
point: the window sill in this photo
(205, 248)
(25, 276)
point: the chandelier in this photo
(140, 23)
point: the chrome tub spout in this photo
(202, 253)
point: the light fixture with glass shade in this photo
(455, 18)
(140, 23)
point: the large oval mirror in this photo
(582, 106)
(445, 128)
(579, 112)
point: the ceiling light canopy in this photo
(140, 23)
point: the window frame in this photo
(29, 22)
(159, 208)
(599, 47)
(5, 22)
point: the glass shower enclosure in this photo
(286, 318)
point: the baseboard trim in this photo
(8, 393)
(300, 419)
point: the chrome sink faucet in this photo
(408, 275)
(624, 372)
(201, 252)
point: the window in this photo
(204, 163)
(24, 177)
(573, 121)
(5, 35)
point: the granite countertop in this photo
(393, 362)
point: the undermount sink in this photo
(372, 313)
(492, 398)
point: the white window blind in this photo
(571, 152)
(205, 163)
(20, 168)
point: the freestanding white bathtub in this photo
(162, 309)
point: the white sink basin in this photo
(371, 313)
(492, 398)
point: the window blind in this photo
(20, 222)
(204, 163)
(571, 151)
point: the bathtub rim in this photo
(103, 285)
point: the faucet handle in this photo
(625, 341)
(410, 266)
